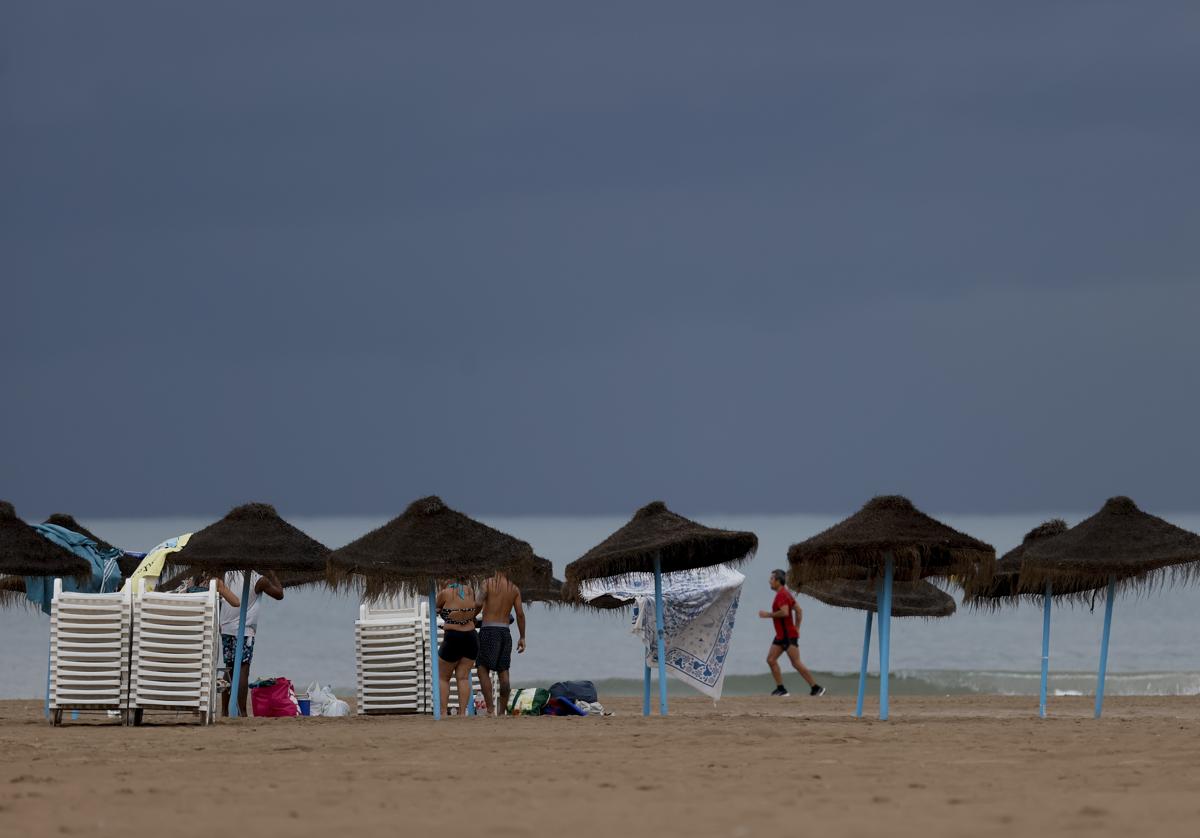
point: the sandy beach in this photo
(750, 766)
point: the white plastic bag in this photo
(337, 707)
(319, 698)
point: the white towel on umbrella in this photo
(699, 607)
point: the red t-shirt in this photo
(784, 626)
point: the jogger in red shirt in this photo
(787, 635)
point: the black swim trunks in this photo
(457, 645)
(495, 648)
(785, 642)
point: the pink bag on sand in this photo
(278, 699)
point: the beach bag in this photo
(274, 698)
(528, 701)
(574, 690)
(562, 706)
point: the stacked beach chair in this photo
(174, 653)
(389, 644)
(89, 652)
(393, 662)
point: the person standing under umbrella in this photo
(457, 606)
(787, 636)
(259, 584)
(501, 599)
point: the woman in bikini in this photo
(457, 606)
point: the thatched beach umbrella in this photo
(541, 586)
(1007, 585)
(1119, 546)
(127, 562)
(909, 599)
(427, 543)
(251, 537)
(889, 539)
(288, 580)
(23, 552)
(656, 540)
(550, 593)
(12, 591)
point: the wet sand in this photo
(750, 766)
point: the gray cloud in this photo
(769, 259)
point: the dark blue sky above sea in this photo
(544, 258)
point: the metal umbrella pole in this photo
(885, 635)
(862, 670)
(658, 626)
(240, 648)
(1108, 609)
(1045, 649)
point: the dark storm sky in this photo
(746, 257)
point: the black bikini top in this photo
(445, 611)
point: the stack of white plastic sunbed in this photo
(127, 652)
(173, 664)
(89, 652)
(391, 640)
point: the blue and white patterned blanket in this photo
(699, 607)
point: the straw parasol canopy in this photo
(909, 599)
(127, 564)
(549, 593)
(23, 552)
(920, 546)
(428, 543)
(12, 591)
(541, 585)
(68, 522)
(1005, 584)
(288, 580)
(654, 530)
(1120, 540)
(250, 537)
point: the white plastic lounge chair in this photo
(175, 653)
(89, 652)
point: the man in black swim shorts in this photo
(501, 598)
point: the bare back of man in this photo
(501, 599)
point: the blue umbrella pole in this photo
(1045, 648)
(433, 657)
(662, 645)
(646, 691)
(49, 652)
(885, 637)
(240, 647)
(862, 670)
(1108, 606)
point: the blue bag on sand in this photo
(574, 690)
(562, 706)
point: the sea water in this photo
(309, 636)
